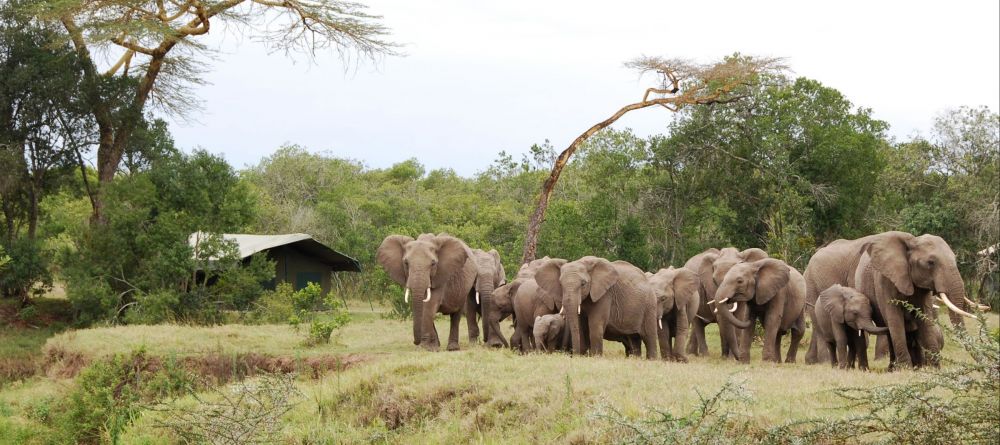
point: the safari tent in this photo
(299, 259)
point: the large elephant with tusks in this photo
(438, 273)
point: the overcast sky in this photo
(480, 77)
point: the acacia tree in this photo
(141, 52)
(681, 83)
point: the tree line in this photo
(789, 167)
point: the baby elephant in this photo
(550, 333)
(841, 314)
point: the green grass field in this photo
(393, 392)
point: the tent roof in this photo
(251, 244)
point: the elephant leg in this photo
(596, 328)
(927, 343)
(472, 316)
(777, 346)
(649, 335)
(852, 352)
(456, 322)
(663, 336)
(515, 340)
(881, 346)
(693, 344)
(916, 352)
(797, 332)
(897, 335)
(772, 321)
(682, 332)
(430, 340)
(862, 351)
(841, 339)
(831, 348)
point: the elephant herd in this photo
(885, 285)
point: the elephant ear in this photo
(603, 275)
(547, 277)
(706, 272)
(685, 286)
(451, 256)
(832, 300)
(549, 300)
(390, 256)
(753, 254)
(501, 274)
(890, 257)
(772, 275)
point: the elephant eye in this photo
(930, 263)
(434, 263)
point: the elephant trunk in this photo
(954, 288)
(491, 329)
(573, 322)
(418, 285)
(869, 326)
(726, 312)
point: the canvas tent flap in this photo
(251, 244)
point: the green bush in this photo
(274, 306)
(30, 272)
(110, 394)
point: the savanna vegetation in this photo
(110, 334)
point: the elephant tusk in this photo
(981, 307)
(735, 305)
(561, 310)
(715, 310)
(935, 306)
(578, 310)
(660, 323)
(477, 297)
(428, 295)
(722, 300)
(859, 332)
(955, 309)
(406, 296)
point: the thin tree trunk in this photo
(535, 224)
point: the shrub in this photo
(714, 420)
(110, 394)
(275, 306)
(246, 412)
(957, 403)
(31, 270)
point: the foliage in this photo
(957, 403)
(246, 412)
(714, 420)
(28, 274)
(140, 261)
(109, 395)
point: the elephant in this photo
(843, 317)
(711, 267)
(889, 268)
(530, 302)
(550, 333)
(677, 298)
(490, 275)
(440, 272)
(511, 300)
(602, 299)
(774, 293)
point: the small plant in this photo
(957, 403)
(712, 421)
(248, 412)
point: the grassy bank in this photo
(396, 393)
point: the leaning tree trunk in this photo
(535, 224)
